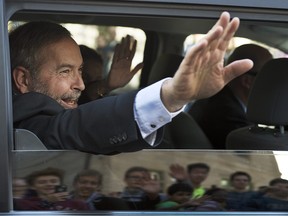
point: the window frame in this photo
(247, 9)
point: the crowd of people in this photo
(46, 190)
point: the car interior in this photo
(164, 31)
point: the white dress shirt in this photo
(150, 113)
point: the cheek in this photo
(58, 86)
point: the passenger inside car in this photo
(268, 113)
(96, 84)
(226, 110)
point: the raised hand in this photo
(178, 172)
(202, 72)
(120, 73)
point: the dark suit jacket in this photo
(219, 115)
(104, 126)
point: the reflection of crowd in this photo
(45, 190)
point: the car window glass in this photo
(236, 41)
(104, 39)
(262, 168)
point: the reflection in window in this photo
(101, 182)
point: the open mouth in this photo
(69, 103)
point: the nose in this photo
(78, 83)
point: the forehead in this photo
(181, 193)
(240, 177)
(64, 51)
(47, 178)
(89, 178)
(198, 170)
(282, 185)
(19, 182)
(138, 173)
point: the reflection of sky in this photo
(282, 159)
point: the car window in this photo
(104, 39)
(160, 27)
(236, 41)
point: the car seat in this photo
(183, 132)
(267, 105)
(26, 140)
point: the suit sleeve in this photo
(103, 126)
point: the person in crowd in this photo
(179, 198)
(96, 84)
(19, 187)
(272, 198)
(195, 175)
(226, 111)
(216, 200)
(141, 191)
(44, 195)
(87, 188)
(46, 67)
(240, 193)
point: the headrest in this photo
(268, 99)
(165, 66)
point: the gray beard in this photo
(42, 87)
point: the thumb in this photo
(236, 69)
(137, 68)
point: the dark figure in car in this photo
(96, 84)
(226, 110)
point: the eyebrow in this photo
(69, 66)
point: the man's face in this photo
(136, 179)
(60, 77)
(240, 182)
(19, 187)
(279, 190)
(45, 185)
(86, 185)
(198, 175)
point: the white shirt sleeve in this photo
(150, 113)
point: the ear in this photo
(21, 77)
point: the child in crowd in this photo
(179, 198)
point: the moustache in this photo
(73, 96)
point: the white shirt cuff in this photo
(149, 111)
